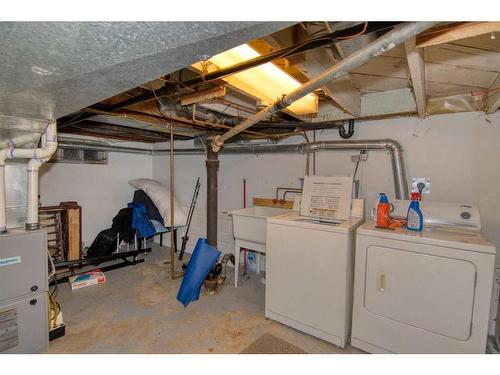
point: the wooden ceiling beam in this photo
(461, 30)
(416, 65)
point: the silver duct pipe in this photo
(389, 145)
(379, 46)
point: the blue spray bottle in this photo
(414, 218)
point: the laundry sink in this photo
(249, 224)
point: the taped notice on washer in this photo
(327, 197)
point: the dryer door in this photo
(429, 292)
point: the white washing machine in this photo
(309, 271)
(424, 292)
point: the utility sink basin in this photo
(249, 224)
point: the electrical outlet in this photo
(424, 180)
(362, 156)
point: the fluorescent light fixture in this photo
(266, 82)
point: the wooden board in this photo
(451, 54)
(483, 42)
(370, 83)
(342, 91)
(438, 89)
(377, 104)
(460, 31)
(415, 57)
(74, 240)
(385, 66)
(459, 75)
(266, 202)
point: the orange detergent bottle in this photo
(383, 211)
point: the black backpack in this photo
(122, 224)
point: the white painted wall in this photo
(459, 152)
(101, 190)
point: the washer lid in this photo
(294, 219)
(436, 235)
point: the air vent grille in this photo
(72, 155)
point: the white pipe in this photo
(37, 157)
(32, 215)
(38, 153)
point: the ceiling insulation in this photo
(51, 69)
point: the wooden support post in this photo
(74, 240)
(416, 65)
(173, 246)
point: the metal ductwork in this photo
(36, 156)
(389, 145)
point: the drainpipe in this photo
(349, 133)
(37, 157)
(212, 164)
(377, 47)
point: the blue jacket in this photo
(140, 221)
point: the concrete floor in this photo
(136, 311)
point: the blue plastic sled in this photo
(202, 261)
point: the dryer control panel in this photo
(463, 215)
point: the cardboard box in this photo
(87, 279)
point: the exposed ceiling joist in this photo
(378, 104)
(462, 30)
(342, 92)
(494, 97)
(416, 65)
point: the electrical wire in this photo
(357, 164)
(355, 169)
(354, 35)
